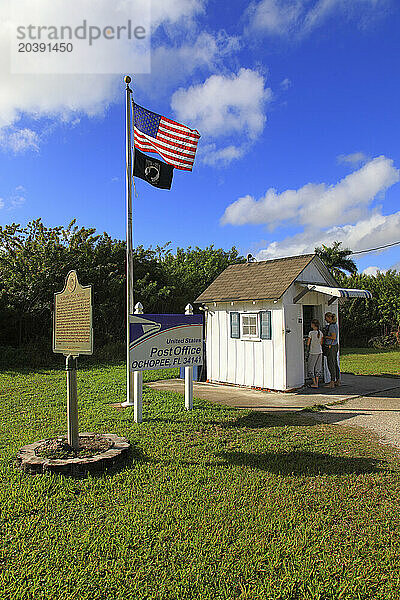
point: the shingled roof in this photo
(263, 280)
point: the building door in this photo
(294, 349)
(310, 312)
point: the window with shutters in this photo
(249, 326)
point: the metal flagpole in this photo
(129, 246)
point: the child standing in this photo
(314, 345)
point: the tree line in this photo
(362, 321)
(35, 259)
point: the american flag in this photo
(177, 144)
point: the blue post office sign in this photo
(165, 341)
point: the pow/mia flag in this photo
(152, 170)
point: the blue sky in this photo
(297, 102)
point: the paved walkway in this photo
(369, 402)
(352, 386)
(380, 413)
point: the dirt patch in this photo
(59, 448)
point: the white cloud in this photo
(353, 159)
(56, 97)
(225, 104)
(171, 65)
(357, 9)
(16, 200)
(67, 97)
(275, 17)
(373, 271)
(300, 17)
(345, 202)
(213, 156)
(286, 83)
(50, 95)
(173, 11)
(395, 267)
(19, 140)
(375, 230)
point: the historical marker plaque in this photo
(72, 328)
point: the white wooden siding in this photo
(311, 273)
(251, 363)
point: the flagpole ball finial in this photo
(127, 79)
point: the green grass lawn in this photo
(214, 504)
(369, 361)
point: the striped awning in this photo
(339, 292)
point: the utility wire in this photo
(374, 249)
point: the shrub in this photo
(384, 342)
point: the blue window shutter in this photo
(235, 325)
(265, 325)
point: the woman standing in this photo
(331, 349)
(314, 344)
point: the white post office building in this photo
(258, 315)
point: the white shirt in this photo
(315, 346)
